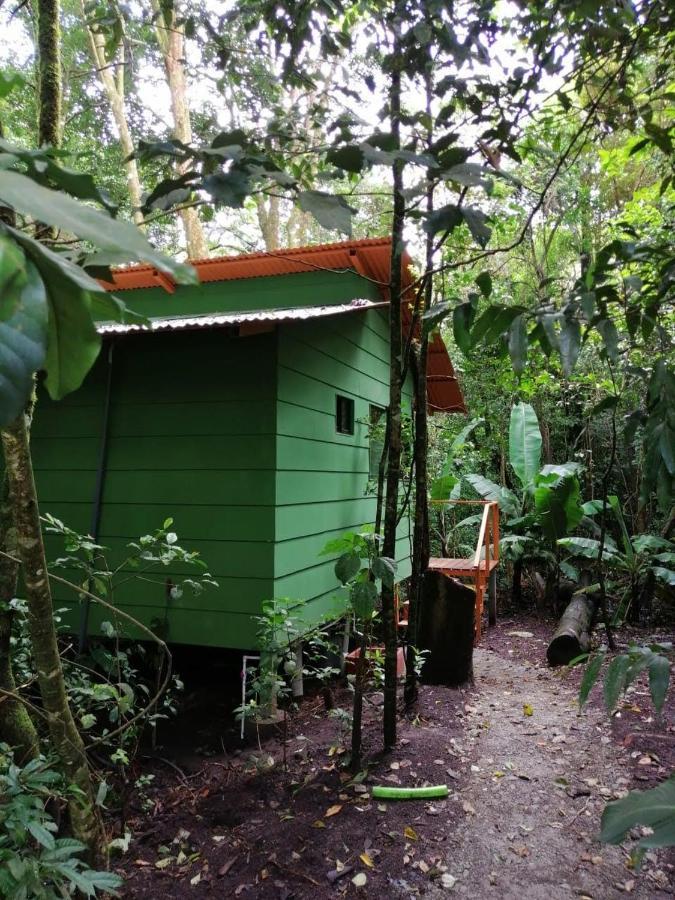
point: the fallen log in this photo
(573, 634)
(446, 630)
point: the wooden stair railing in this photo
(481, 567)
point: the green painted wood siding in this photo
(192, 433)
(322, 475)
(250, 294)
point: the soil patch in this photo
(528, 781)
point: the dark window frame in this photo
(344, 414)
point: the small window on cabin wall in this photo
(344, 414)
(376, 437)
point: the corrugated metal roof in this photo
(188, 323)
(371, 258)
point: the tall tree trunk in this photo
(420, 355)
(112, 81)
(16, 726)
(394, 451)
(267, 209)
(50, 122)
(171, 39)
(420, 547)
(85, 819)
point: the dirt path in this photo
(528, 780)
(539, 780)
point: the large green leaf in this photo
(347, 567)
(667, 576)
(330, 211)
(384, 568)
(524, 443)
(462, 319)
(590, 676)
(90, 224)
(570, 344)
(496, 319)
(441, 487)
(615, 681)
(12, 277)
(23, 344)
(659, 678)
(460, 441)
(654, 808)
(558, 507)
(363, 595)
(488, 490)
(588, 548)
(73, 342)
(518, 343)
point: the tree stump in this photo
(573, 634)
(446, 629)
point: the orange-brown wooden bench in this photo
(481, 568)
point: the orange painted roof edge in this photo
(370, 257)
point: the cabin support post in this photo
(492, 599)
(297, 683)
(345, 645)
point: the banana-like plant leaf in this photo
(644, 543)
(667, 576)
(558, 507)
(654, 808)
(442, 487)
(524, 443)
(488, 490)
(459, 442)
(588, 548)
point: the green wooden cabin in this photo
(242, 413)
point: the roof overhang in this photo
(370, 258)
(225, 320)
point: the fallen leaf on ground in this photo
(225, 868)
(318, 824)
(333, 810)
(360, 880)
(528, 710)
(410, 833)
(367, 860)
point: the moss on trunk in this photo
(16, 726)
(49, 72)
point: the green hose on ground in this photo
(420, 793)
